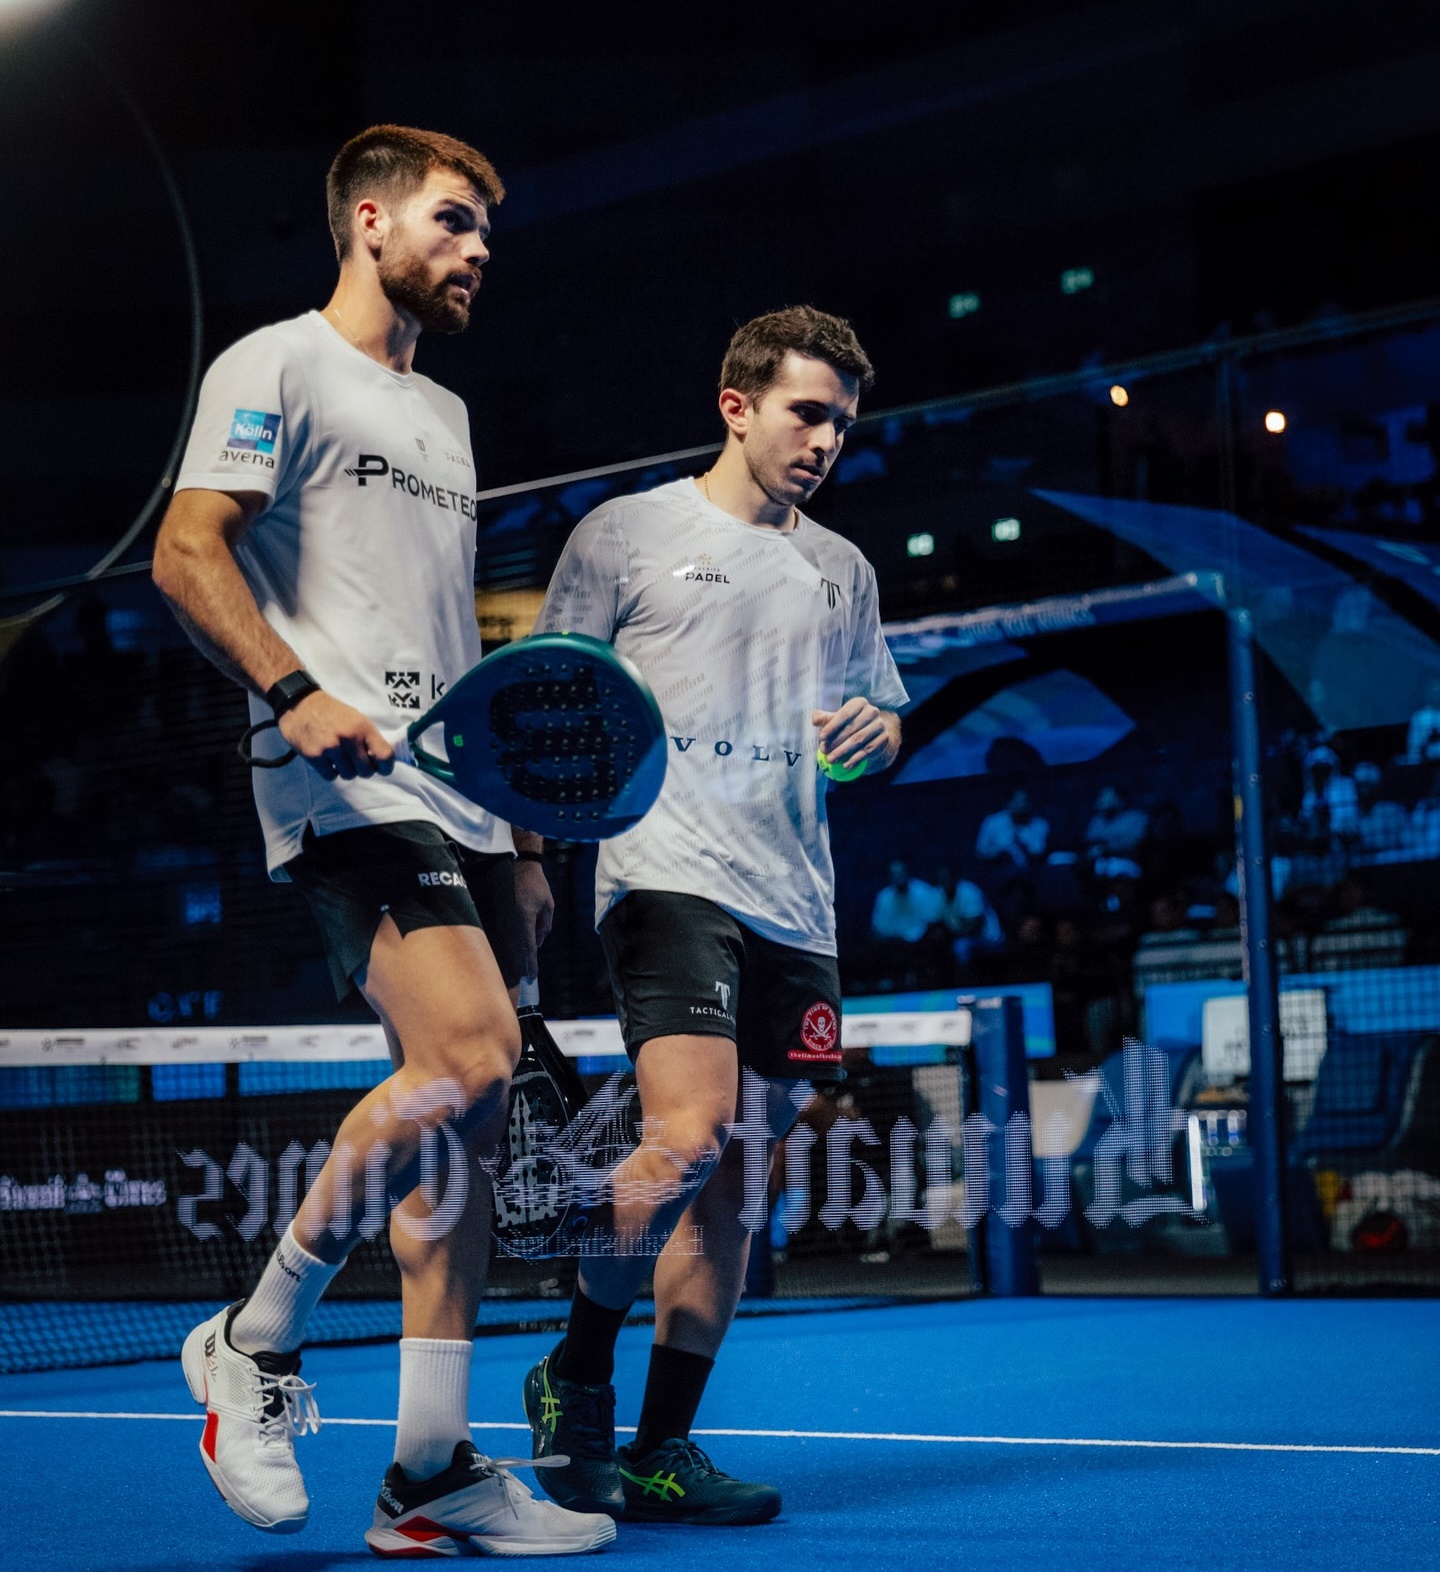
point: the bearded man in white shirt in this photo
(320, 550)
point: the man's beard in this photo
(773, 479)
(406, 282)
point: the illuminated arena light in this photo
(16, 15)
(1119, 397)
(1275, 421)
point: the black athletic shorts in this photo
(416, 873)
(679, 964)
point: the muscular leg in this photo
(696, 1293)
(464, 1020)
(442, 1001)
(687, 1087)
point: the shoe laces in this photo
(692, 1454)
(515, 1491)
(290, 1407)
(590, 1419)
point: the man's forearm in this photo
(527, 840)
(213, 603)
(891, 722)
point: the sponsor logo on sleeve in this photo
(819, 1036)
(832, 592)
(253, 431)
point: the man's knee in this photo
(690, 1145)
(473, 1067)
(484, 1066)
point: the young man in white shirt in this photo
(759, 632)
(320, 550)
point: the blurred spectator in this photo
(1383, 826)
(965, 920)
(1009, 844)
(1358, 934)
(1425, 823)
(1016, 833)
(905, 908)
(1115, 835)
(1422, 742)
(1330, 806)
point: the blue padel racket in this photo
(556, 733)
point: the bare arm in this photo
(859, 729)
(532, 893)
(195, 570)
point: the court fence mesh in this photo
(137, 1198)
(1060, 829)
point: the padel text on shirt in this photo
(742, 631)
(363, 560)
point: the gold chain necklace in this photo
(705, 487)
(349, 330)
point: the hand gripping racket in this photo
(556, 733)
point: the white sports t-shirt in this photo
(742, 632)
(363, 560)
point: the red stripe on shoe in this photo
(423, 1529)
(207, 1441)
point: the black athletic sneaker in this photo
(677, 1483)
(578, 1422)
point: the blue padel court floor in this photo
(1045, 1434)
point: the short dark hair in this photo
(392, 162)
(758, 349)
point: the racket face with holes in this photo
(556, 733)
(537, 1210)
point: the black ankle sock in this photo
(673, 1390)
(588, 1353)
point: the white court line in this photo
(840, 1435)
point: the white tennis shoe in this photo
(477, 1507)
(256, 1404)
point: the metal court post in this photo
(1265, 1124)
(997, 1042)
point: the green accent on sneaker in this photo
(549, 1403)
(577, 1422)
(659, 1484)
(676, 1482)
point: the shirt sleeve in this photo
(252, 422)
(870, 672)
(589, 587)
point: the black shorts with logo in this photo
(681, 965)
(413, 871)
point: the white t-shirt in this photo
(363, 560)
(741, 632)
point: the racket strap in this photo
(247, 754)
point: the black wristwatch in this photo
(288, 692)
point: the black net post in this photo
(1003, 1083)
(1267, 1089)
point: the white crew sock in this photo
(272, 1319)
(434, 1403)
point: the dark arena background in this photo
(1119, 1243)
